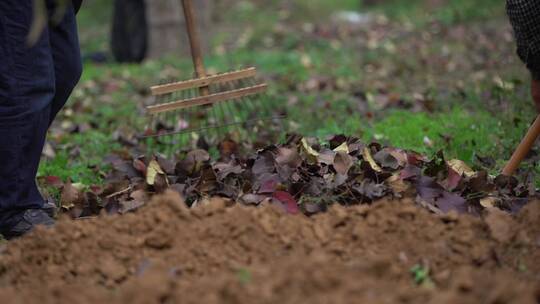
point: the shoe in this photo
(25, 221)
(50, 208)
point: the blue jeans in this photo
(35, 83)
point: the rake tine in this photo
(183, 138)
(223, 118)
(218, 130)
(194, 120)
(233, 113)
(230, 104)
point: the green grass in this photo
(87, 165)
(461, 134)
(419, 12)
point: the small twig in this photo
(119, 192)
(85, 218)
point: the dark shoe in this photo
(25, 221)
(50, 208)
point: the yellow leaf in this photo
(152, 171)
(79, 186)
(311, 153)
(367, 157)
(461, 167)
(305, 59)
(342, 148)
(489, 202)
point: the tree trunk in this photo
(166, 27)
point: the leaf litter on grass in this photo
(300, 175)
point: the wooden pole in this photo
(195, 43)
(523, 149)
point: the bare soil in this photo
(215, 253)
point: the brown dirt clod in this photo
(216, 253)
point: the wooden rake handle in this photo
(523, 149)
(195, 43)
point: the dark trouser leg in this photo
(26, 91)
(30, 97)
(64, 42)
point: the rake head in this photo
(229, 105)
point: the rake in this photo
(196, 106)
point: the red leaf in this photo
(453, 179)
(288, 201)
(415, 159)
(139, 166)
(54, 181)
(96, 189)
(410, 172)
(269, 185)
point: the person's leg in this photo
(27, 88)
(64, 42)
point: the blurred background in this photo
(426, 75)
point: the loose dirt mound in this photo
(166, 253)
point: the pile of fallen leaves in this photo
(301, 175)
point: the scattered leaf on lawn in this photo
(269, 184)
(410, 172)
(342, 163)
(139, 166)
(452, 180)
(367, 157)
(264, 163)
(227, 148)
(461, 167)
(489, 202)
(387, 160)
(311, 154)
(344, 147)
(451, 201)
(152, 171)
(54, 181)
(288, 201)
(288, 157)
(370, 189)
(252, 199)
(397, 184)
(71, 196)
(326, 157)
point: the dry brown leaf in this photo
(289, 157)
(342, 163)
(397, 184)
(72, 195)
(326, 157)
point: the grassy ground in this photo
(422, 75)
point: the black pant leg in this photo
(64, 41)
(27, 88)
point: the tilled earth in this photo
(386, 252)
